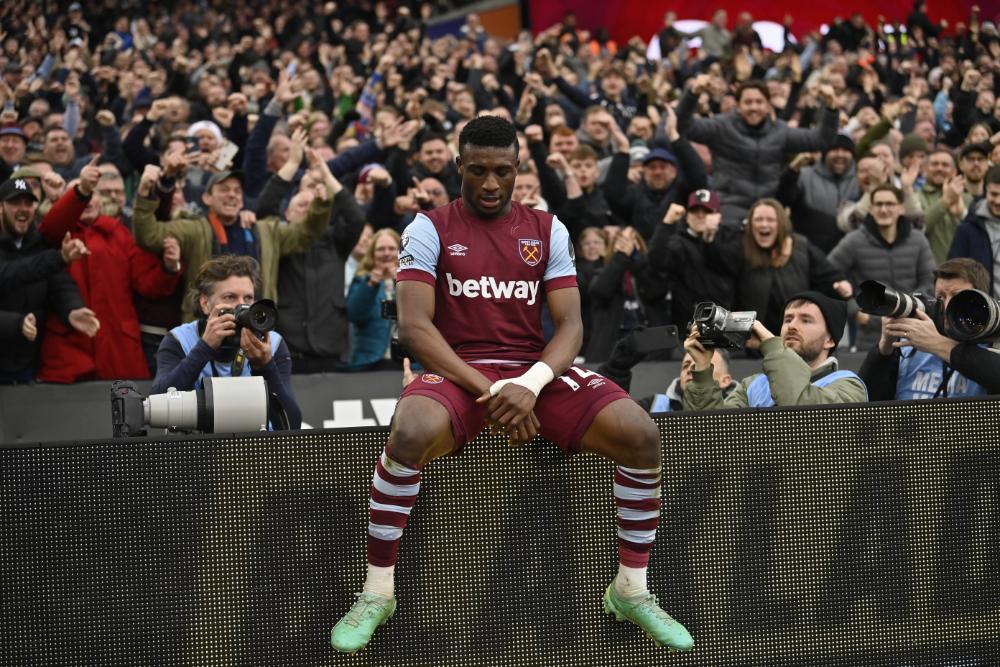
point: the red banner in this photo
(626, 19)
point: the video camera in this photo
(721, 328)
(972, 316)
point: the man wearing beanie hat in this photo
(912, 148)
(799, 368)
(815, 193)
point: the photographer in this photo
(624, 356)
(798, 368)
(203, 348)
(914, 360)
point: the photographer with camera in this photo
(798, 366)
(916, 360)
(631, 350)
(220, 343)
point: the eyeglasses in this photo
(435, 192)
(884, 204)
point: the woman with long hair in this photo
(777, 263)
(374, 282)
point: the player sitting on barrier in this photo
(471, 281)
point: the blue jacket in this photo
(972, 239)
(370, 333)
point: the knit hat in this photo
(841, 141)
(912, 143)
(834, 312)
(638, 151)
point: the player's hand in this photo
(506, 412)
(408, 375)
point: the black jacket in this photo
(57, 291)
(767, 290)
(607, 305)
(313, 318)
(641, 206)
(683, 259)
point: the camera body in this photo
(721, 328)
(260, 317)
(389, 312)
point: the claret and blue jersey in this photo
(490, 276)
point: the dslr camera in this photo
(720, 328)
(876, 298)
(259, 317)
(971, 316)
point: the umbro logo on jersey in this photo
(457, 250)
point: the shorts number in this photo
(581, 372)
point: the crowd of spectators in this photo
(308, 135)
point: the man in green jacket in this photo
(798, 368)
(944, 202)
(222, 231)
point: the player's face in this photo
(488, 176)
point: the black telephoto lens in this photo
(973, 315)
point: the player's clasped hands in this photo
(511, 411)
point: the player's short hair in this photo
(583, 152)
(967, 269)
(488, 132)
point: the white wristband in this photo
(534, 380)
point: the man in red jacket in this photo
(106, 279)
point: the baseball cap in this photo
(12, 129)
(659, 154)
(75, 7)
(834, 312)
(26, 172)
(638, 151)
(704, 199)
(983, 148)
(16, 187)
(224, 176)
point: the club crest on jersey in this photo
(531, 251)
(431, 378)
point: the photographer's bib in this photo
(759, 391)
(187, 335)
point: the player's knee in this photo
(410, 443)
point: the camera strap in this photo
(236, 368)
(942, 390)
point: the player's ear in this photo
(458, 161)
